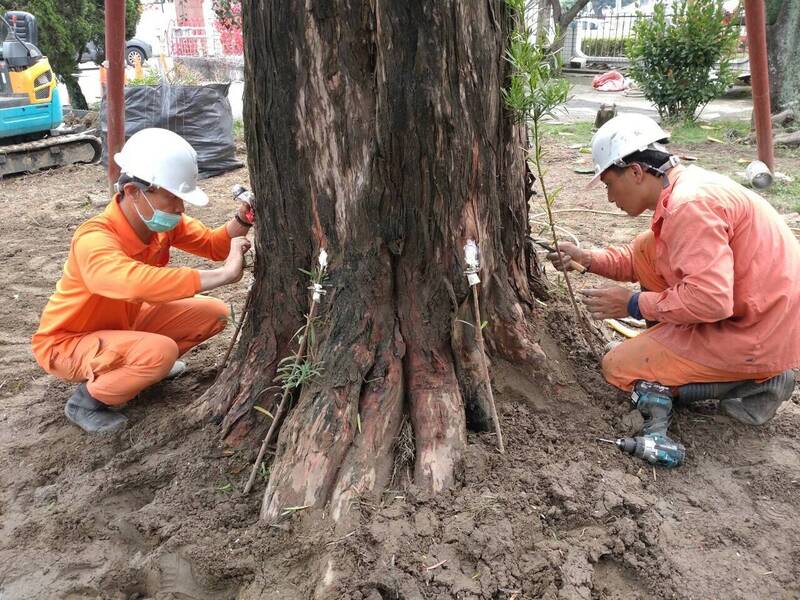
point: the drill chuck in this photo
(655, 449)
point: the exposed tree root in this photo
(367, 467)
(437, 414)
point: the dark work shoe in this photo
(92, 415)
(754, 403)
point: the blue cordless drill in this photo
(654, 401)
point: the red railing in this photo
(190, 37)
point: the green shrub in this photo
(601, 46)
(682, 62)
(177, 75)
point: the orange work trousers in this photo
(642, 357)
(117, 365)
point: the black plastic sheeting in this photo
(200, 114)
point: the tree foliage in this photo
(228, 13)
(65, 26)
(682, 61)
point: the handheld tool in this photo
(654, 401)
(655, 449)
(575, 265)
(242, 194)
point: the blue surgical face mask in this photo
(160, 221)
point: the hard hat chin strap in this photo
(662, 171)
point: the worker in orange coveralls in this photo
(120, 317)
(719, 272)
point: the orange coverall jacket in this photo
(110, 273)
(730, 268)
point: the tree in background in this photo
(563, 13)
(682, 62)
(783, 48)
(65, 27)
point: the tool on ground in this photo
(32, 131)
(653, 449)
(575, 265)
(654, 401)
(622, 329)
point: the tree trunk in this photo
(783, 51)
(76, 97)
(377, 131)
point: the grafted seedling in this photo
(533, 93)
(298, 369)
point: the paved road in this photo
(582, 106)
(585, 101)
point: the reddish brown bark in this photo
(377, 130)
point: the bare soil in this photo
(156, 512)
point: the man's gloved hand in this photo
(246, 212)
(234, 264)
(569, 252)
(607, 303)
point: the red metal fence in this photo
(192, 37)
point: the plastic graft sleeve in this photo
(472, 261)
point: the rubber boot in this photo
(92, 415)
(756, 403)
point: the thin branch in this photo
(585, 328)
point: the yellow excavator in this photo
(32, 135)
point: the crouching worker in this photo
(120, 317)
(718, 270)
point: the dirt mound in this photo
(156, 512)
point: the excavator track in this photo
(50, 152)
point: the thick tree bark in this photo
(377, 130)
(783, 50)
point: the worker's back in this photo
(707, 220)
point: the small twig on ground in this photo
(436, 566)
(341, 539)
(589, 211)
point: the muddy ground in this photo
(156, 512)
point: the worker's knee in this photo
(220, 312)
(155, 354)
(607, 364)
(213, 314)
(613, 367)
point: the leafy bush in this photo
(600, 46)
(177, 75)
(682, 62)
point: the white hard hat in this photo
(621, 136)
(163, 159)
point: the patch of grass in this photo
(238, 129)
(683, 134)
(698, 133)
(785, 197)
(570, 133)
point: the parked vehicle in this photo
(32, 135)
(134, 47)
